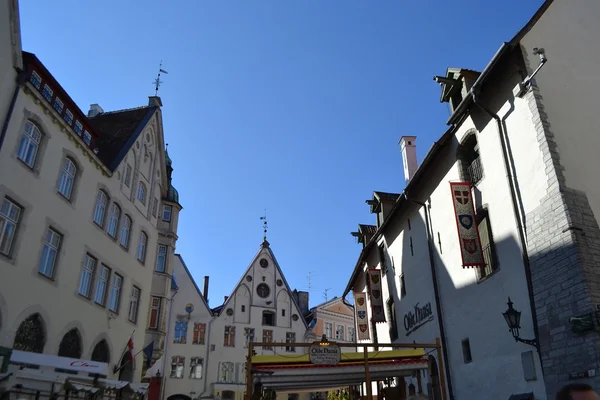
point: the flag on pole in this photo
(148, 350)
(130, 348)
(163, 71)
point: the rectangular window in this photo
(167, 210)
(177, 366)
(487, 247)
(58, 105)
(36, 80)
(402, 287)
(128, 175)
(115, 293)
(87, 275)
(196, 368)
(229, 339)
(47, 93)
(283, 312)
(134, 304)
(102, 284)
(87, 137)
(249, 333)
(68, 117)
(243, 308)
(199, 333)
(226, 372)
(10, 215)
(392, 320)
(154, 312)
(351, 334)
(78, 128)
(328, 330)
(180, 332)
(290, 337)
(161, 259)
(466, 350)
(49, 253)
(267, 338)
(340, 332)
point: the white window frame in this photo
(114, 297)
(161, 254)
(351, 334)
(10, 216)
(100, 208)
(125, 231)
(102, 280)
(36, 80)
(142, 247)
(68, 117)
(134, 304)
(340, 332)
(329, 330)
(155, 303)
(29, 145)
(87, 137)
(78, 128)
(50, 250)
(177, 367)
(167, 212)
(61, 106)
(196, 363)
(88, 267)
(66, 183)
(114, 216)
(47, 93)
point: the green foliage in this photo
(338, 395)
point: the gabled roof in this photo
(367, 229)
(264, 247)
(187, 271)
(331, 302)
(118, 130)
(382, 196)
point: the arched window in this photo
(141, 193)
(113, 220)
(100, 209)
(70, 345)
(141, 251)
(31, 335)
(67, 178)
(471, 169)
(125, 230)
(101, 352)
(30, 144)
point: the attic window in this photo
(470, 163)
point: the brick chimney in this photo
(95, 109)
(409, 156)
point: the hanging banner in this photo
(377, 313)
(468, 234)
(362, 317)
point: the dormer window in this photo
(470, 163)
(36, 80)
(47, 93)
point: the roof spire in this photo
(265, 225)
(157, 81)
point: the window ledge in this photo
(487, 277)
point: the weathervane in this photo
(157, 81)
(265, 226)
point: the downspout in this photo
(20, 81)
(207, 357)
(515, 206)
(436, 294)
(164, 385)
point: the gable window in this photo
(29, 144)
(141, 193)
(154, 312)
(487, 245)
(49, 253)
(36, 80)
(290, 338)
(340, 332)
(392, 320)
(267, 338)
(100, 208)
(125, 231)
(67, 178)
(226, 372)
(166, 215)
(47, 93)
(351, 334)
(180, 332)
(10, 214)
(470, 163)
(268, 318)
(141, 250)
(58, 105)
(101, 285)
(196, 368)
(134, 304)
(199, 333)
(78, 128)
(229, 337)
(114, 299)
(283, 312)
(87, 275)
(113, 220)
(249, 333)
(243, 308)
(328, 330)
(68, 117)
(161, 259)
(128, 175)
(177, 366)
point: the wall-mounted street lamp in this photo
(513, 320)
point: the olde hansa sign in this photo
(419, 316)
(325, 353)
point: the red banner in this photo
(466, 225)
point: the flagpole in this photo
(123, 353)
(128, 361)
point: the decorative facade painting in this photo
(362, 317)
(377, 312)
(468, 234)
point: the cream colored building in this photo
(86, 203)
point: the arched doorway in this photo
(31, 335)
(70, 346)
(433, 386)
(101, 352)
(126, 365)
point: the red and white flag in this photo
(130, 348)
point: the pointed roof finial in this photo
(157, 81)
(265, 226)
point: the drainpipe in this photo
(436, 294)
(515, 206)
(20, 80)
(207, 357)
(164, 373)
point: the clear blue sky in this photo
(293, 106)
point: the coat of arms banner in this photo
(468, 234)
(362, 317)
(377, 313)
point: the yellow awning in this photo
(346, 357)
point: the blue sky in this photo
(293, 106)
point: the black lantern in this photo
(513, 320)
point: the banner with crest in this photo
(468, 234)
(362, 317)
(377, 313)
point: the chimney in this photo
(95, 109)
(302, 299)
(205, 292)
(409, 156)
(154, 101)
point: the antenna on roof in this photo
(157, 81)
(325, 294)
(265, 226)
